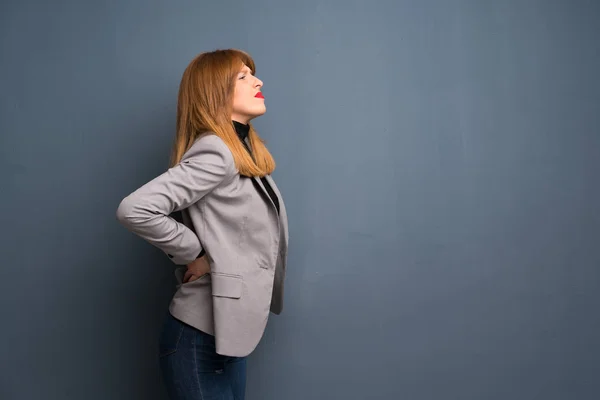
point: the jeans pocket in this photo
(170, 336)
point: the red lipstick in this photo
(259, 95)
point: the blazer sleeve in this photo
(146, 211)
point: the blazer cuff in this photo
(184, 259)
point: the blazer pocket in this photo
(227, 285)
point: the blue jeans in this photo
(191, 368)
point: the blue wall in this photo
(439, 160)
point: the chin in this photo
(258, 113)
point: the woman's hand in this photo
(196, 269)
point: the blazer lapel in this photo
(282, 210)
(265, 193)
(257, 181)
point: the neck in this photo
(240, 123)
(242, 129)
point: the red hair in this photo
(205, 104)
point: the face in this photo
(248, 102)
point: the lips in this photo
(259, 95)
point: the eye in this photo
(243, 77)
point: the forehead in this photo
(245, 68)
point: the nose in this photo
(258, 83)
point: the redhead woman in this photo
(218, 215)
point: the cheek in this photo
(243, 99)
(238, 100)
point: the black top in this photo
(242, 131)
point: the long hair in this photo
(205, 104)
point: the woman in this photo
(231, 240)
